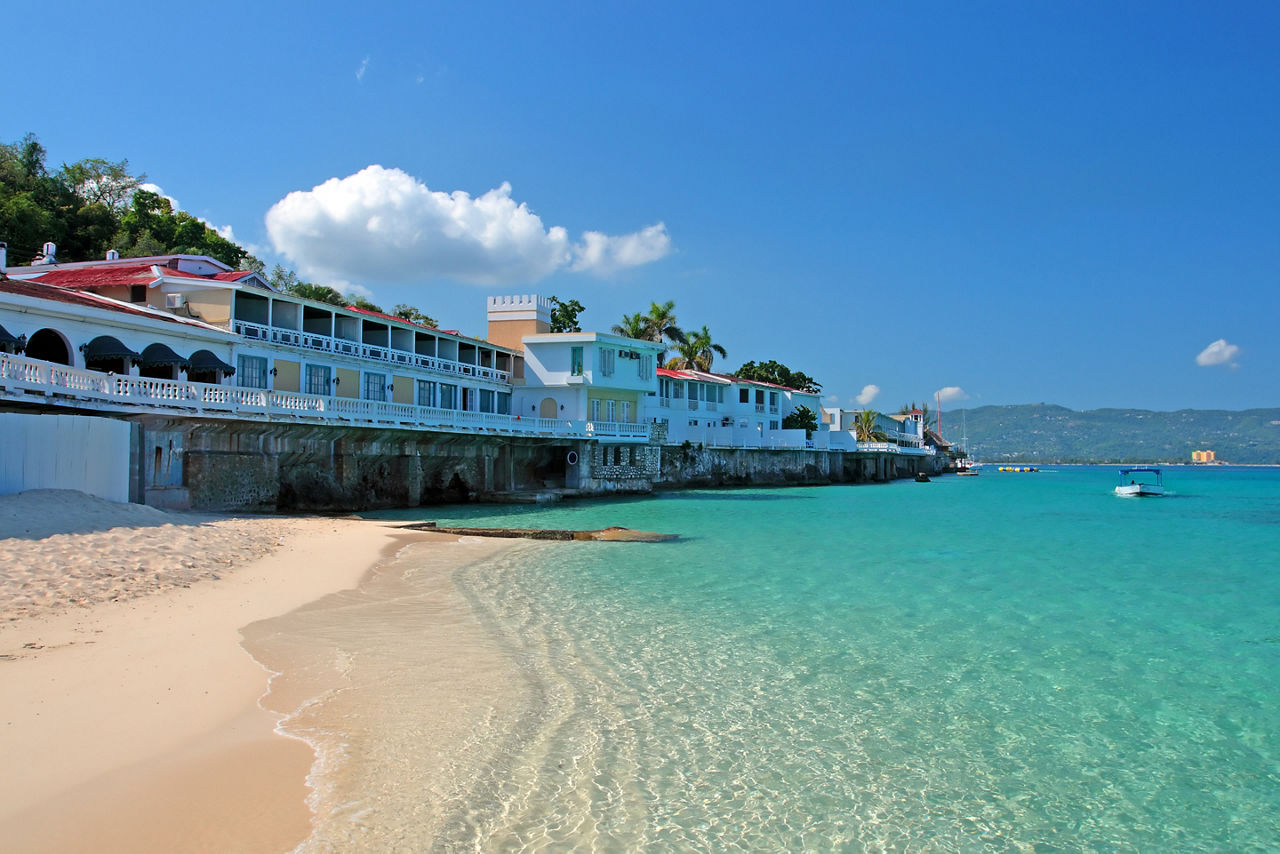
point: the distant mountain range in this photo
(1046, 433)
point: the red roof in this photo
(115, 275)
(99, 277)
(56, 293)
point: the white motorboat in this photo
(1143, 481)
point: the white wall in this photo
(64, 452)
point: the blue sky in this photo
(1020, 202)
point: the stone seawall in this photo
(221, 465)
(690, 466)
(208, 464)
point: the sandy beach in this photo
(130, 718)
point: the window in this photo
(486, 400)
(607, 356)
(426, 393)
(319, 379)
(575, 361)
(251, 371)
(504, 403)
(744, 395)
(677, 390)
(448, 396)
(644, 367)
(610, 410)
(773, 425)
(375, 387)
(720, 394)
(626, 411)
(595, 410)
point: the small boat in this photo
(921, 477)
(968, 468)
(1143, 481)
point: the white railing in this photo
(22, 379)
(342, 346)
(891, 448)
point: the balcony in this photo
(47, 383)
(344, 347)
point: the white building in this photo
(903, 433)
(594, 377)
(718, 410)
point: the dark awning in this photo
(9, 340)
(205, 360)
(160, 356)
(104, 348)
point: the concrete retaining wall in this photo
(80, 452)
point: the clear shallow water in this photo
(1013, 662)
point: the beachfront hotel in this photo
(221, 391)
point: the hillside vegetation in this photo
(1046, 433)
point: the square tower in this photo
(513, 317)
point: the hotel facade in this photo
(175, 341)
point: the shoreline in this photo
(138, 724)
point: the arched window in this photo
(49, 345)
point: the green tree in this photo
(662, 323)
(801, 418)
(99, 181)
(633, 326)
(360, 302)
(866, 429)
(564, 315)
(319, 293)
(37, 207)
(413, 315)
(697, 352)
(779, 374)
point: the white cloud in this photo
(869, 393)
(604, 255)
(1218, 353)
(383, 225)
(364, 65)
(950, 393)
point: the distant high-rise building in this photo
(1203, 457)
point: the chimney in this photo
(113, 255)
(47, 255)
(512, 318)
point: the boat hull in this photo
(1139, 490)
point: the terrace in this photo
(51, 384)
(364, 335)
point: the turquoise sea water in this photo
(1012, 662)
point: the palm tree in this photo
(697, 352)
(661, 323)
(865, 428)
(633, 326)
